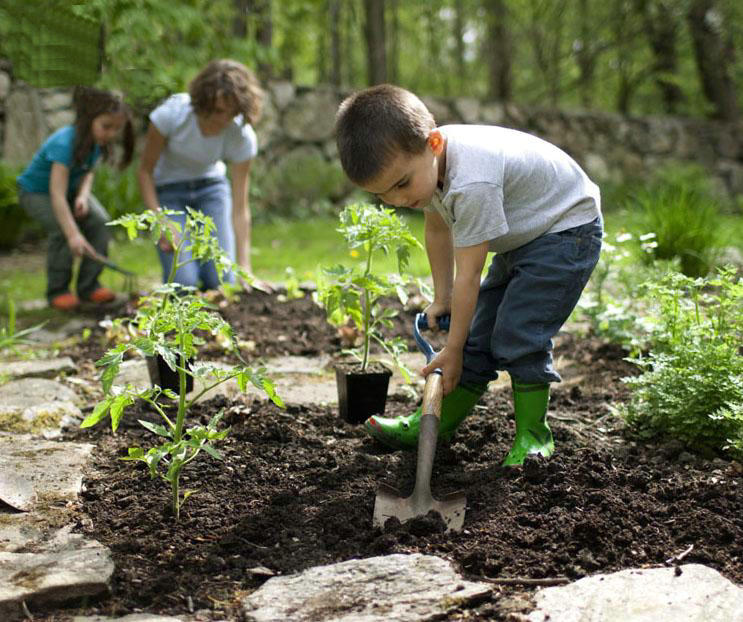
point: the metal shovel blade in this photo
(389, 503)
(16, 491)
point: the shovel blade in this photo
(389, 503)
(16, 491)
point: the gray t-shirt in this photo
(508, 187)
(188, 154)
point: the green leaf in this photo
(212, 452)
(100, 411)
(157, 428)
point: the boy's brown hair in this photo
(231, 80)
(374, 124)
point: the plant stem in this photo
(367, 305)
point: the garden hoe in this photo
(389, 503)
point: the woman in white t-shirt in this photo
(189, 139)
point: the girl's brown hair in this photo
(229, 79)
(90, 103)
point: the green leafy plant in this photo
(691, 385)
(10, 337)
(680, 208)
(353, 293)
(168, 324)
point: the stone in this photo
(53, 100)
(4, 85)
(304, 174)
(60, 118)
(468, 109)
(311, 116)
(282, 93)
(40, 368)
(596, 167)
(267, 128)
(133, 617)
(37, 406)
(25, 125)
(83, 569)
(689, 593)
(391, 588)
(53, 469)
(493, 113)
(439, 109)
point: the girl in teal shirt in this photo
(55, 189)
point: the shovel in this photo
(110, 264)
(389, 503)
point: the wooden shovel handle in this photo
(433, 393)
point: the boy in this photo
(482, 188)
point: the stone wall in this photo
(298, 161)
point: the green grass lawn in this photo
(302, 245)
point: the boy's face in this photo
(409, 180)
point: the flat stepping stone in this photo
(82, 568)
(132, 617)
(689, 593)
(37, 473)
(37, 406)
(45, 368)
(390, 588)
(71, 328)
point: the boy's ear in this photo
(436, 141)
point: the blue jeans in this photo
(212, 198)
(524, 300)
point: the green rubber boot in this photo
(402, 432)
(533, 435)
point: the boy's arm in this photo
(440, 251)
(469, 261)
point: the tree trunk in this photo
(334, 10)
(714, 57)
(240, 20)
(661, 28)
(375, 42)
(393, 62)
(498, 50)
(585, 55)
(459, 40)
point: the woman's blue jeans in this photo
(524, 300)
(212, 198)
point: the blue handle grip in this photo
(421, 323)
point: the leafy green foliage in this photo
(681, 210)
(117, 191)
(354, 293)
(13, 219)
(10, 337)
(140, 34)
(168, 323)
(691, 387)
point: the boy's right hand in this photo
(434, 311)
(80, 246)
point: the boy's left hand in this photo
(450, 363)
(80, 209)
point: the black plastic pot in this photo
(361, 394)
(164, 377)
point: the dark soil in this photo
(296, 489)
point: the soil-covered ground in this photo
(296, 489)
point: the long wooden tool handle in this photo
(433, 394)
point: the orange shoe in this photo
(102, 295)
(65, 302)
